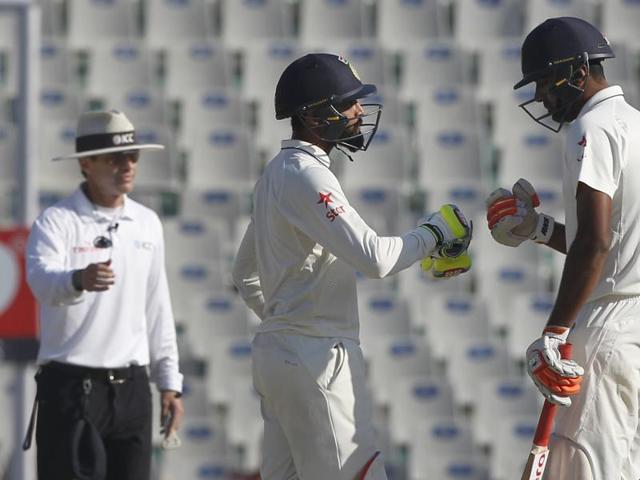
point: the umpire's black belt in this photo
(109, 375)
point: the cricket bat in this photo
(534, 470)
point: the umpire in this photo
(95, 262)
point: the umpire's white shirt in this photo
(132, 322)
(602, 150)
(296, 266)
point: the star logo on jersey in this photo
(582, 143)
(325, 198)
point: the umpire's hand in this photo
(171, 412)
(96, 277)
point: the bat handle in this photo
(566, 350)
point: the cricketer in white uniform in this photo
(598, 436)
(296, 268)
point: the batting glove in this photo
(556, 378)
(450, 229)
(512, 216)
(446, 267)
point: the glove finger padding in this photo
(523, 190)
(497, 195)
(450, 230)
(446, 267)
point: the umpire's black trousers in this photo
(119, 405)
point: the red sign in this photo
(18, 310)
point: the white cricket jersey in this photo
(131, 323)
(602, 150)
(296, 266)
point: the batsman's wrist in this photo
(544, 229)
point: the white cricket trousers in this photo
(598, 437)
(316, 408)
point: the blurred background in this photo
(445, 358)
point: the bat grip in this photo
(545, 425)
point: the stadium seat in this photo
(214, 315)
(501, 283)
(157, 169)
(213, 107)
(190, 279)
(204, 452)
(447, 107)
(91, 21)
(262, 65)
(390, 358)
(250, 21)
(59, 63)
(168, 22)
(472, 362)
(479, 21)
(433, 63)
(499, 70)
(228, 359)
(119, 66)
(537, 11)
(402, 22)
(509, 120)
(62, 103)
(450, 318)
(382, 314)
(9, 51)
(222, 157)
(143, 105)
(449, 153)
(321, 20)
(417, 398)
(529, 314)
(534, 155)
(381, 207)
(501, 397)
(52, 18)
(510, 444)
(387, 161)
(195, 66)
(450, 466)
(244, 422)
(189, 240)
(468, 194)
(619, 21)
(57, 138)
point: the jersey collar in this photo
(88, 213)
(310, 148)
(599, 97)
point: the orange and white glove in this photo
(557, 379)
(512, 217)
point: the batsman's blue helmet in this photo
(560, 41)
(556, 52)
(315, 88)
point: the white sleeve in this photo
(599, 167)
(161, 330)
(314, 202)
(47, 274)
(245, 273)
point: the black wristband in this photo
(76, 280)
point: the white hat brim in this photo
(123, 148)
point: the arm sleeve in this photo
(245, 273)
(600, 168)
(314, 202)
(161, 330)
(47, 274)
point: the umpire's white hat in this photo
(109, 131)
